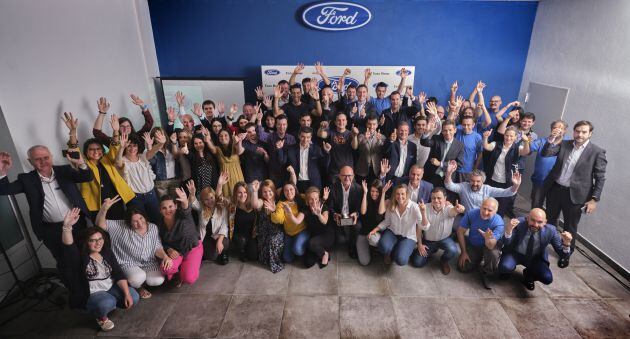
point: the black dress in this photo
(244, 237)
(322, 235)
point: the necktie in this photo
(529, 253)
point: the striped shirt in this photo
(132, 249)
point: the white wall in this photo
(61, 56)
(585, 45)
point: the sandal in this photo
(144, 293)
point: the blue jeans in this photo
(294, 245)
(537, 270)
(447, 244)
(148, 203)
(399, 247)
(101, 303)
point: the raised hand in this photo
(184, 149)
(480, 86)
(487, 133)
(223, 178)
(279, 143)
(269, 205)
(109, 202)
(197, 110)
(566, 238)
(409, 92)
(459, 101)
(71, 217)
(403, 73)
(267, 101)
(286, 208)
(114, 123)
(459, 207)
(147, 139)
(290, 169)
(124, 140)
(314, 93)
(431, 108)
(364, 185)
(233, 110)
(422, 97)
(487, 235)
(516, 178)
(346, 72)
(318, 68)
(326, 146)
(393, 136)
(298, 69)
(367, 73)
(160, 137)
(385, 167)
(451, 167)
(136, 100)
(102, 104)
(181, 197)
(173, 138)
(277, 92)
(170, 113)
(422, 206)
(255, 186)
(70, 121)
(435, 162)
(180, 97)
(354, 109)
(221, 107)
(509, 227)
(355, 131)
(190, 185)
(387, 186)
(259, 93)
(454, 87)
(325, 193)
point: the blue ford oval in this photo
(272, 72)
(334, 82)
(336, 16)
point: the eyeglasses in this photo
(93, 241)
(346, 175)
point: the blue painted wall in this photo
(445, 40)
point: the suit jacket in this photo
(424, 191)
(354, 198)
(369, 150)
(548, 235)
(393, 155)
(392, 120)
(589, 173)
(438, 146)
(317, 162)
(31, 185)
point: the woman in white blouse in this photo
(213, 223)
(137, 246)
(403, 223)
(134, 165)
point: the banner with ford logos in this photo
(336, 16)
(390, 75)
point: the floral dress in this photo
(270, 242)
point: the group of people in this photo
(295, 173)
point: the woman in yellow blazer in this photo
(289, 213)
(108, 182)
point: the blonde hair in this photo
(206, 212)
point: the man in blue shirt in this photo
(472, 147)
(486, 228)
(543, 165)
(382, 102)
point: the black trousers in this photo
(51, 237)
(210, 247)
(559, 200)
(247, 247)
(303, 185)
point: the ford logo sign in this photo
(406, 71)
(336, 16)
(272, 72)
(334, 83)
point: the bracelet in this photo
(114, 143)
(66, 228)
(70, 146)
(104, 113)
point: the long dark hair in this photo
(227, 149)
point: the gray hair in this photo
(478, 173)
(492, 200)
(34, 148)
(564, 123)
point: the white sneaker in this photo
(106, 325)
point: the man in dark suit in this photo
(346, 196)
(393, 116)
(401, 154)
(576, 180)
(525, 243)
(308, 160)
(444, 148)
(51, 191)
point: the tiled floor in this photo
(350, 301)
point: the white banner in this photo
(390, 75)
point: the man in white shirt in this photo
(438, 236)
(576, 181)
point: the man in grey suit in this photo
(576, 180)
(370, 151)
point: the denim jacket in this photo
(158, 164)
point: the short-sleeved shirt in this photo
(543, 165)
(132, 249)
(473, 222)
(293, 114)
(441, 224)
(472, 147)
(341, 152)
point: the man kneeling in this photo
(527, 246)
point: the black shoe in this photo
(563, 262)
(528, 284)
(485, 281)
(223, 259)
(352, 254)
(504, 276)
